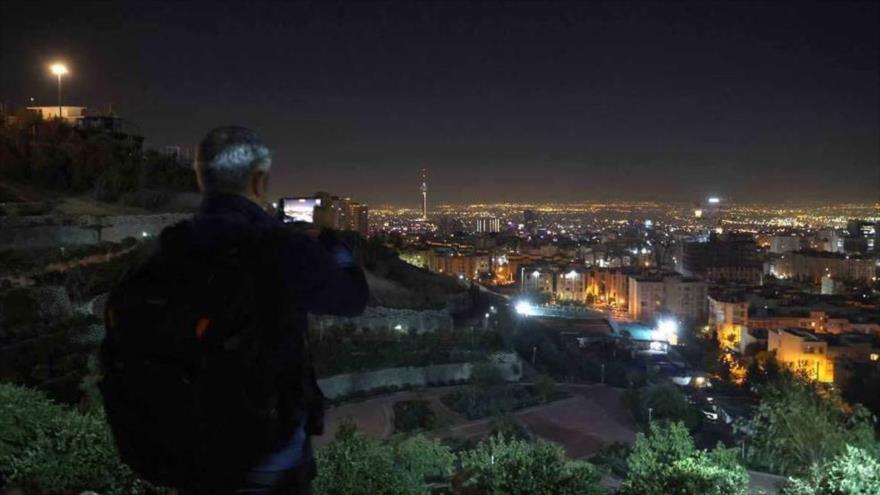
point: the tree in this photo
(355, 464)
(797, 425)
(763, 369)
(855, 472)
(665, 401)
(515, 467)
(665, 461)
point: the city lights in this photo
(525, 308)
(666, 331)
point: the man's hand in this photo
(308, 229)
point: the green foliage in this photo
(855, 472)
(764, 369)
(862, 388)
(665, 461)
(614, 458)
(346, 349)
(355, 464)
(797, 425)
(412, 415)
(422, 459)
(504, 423)
(486, 377)
(513, 467)
(475, 402)
(666, 402)
(46, 448)
(547, 388)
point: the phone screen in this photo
(299, 209)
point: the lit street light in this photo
(59, 70)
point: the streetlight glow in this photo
(524, 308)
(58, 69)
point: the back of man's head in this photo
(227, 158)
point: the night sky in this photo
(501, 102)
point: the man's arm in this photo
(322, 275)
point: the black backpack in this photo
(192, 385)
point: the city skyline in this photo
(517, 103)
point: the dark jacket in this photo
(311, 276)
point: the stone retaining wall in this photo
(357, 383)
(377, 318)
(53, 231)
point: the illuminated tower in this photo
(424, 190)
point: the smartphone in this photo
(298, 209)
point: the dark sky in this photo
(521, 102)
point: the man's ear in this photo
(259, 186)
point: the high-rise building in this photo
(488, 225)
(862, 236)
(785, 243)
(812, 266)
(726, 257)
(360, 218)
(530, 220)
(342, 214)
(652, 295)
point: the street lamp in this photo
(59, 70)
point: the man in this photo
(247, 281)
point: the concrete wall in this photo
(352, 383)
(390, 319)
(53, 231)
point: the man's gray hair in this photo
(227, 156)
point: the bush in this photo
(476, 403)
(614, 457)
(666, 402)
(411, 415)
(513, 467)
(855, 472)
(665, 461)
(48, 449)
(354, 464)
(507, 425)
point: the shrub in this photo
(354, 464)
(665, 461)
(513, 467)
(46, 448)
(855, 472)
(666, 402)
(507, 425)
(411, 415)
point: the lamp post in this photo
(59, 70)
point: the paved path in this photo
(594, 416)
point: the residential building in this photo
(729, 318)
(673, 294)
(803, 352)
(785, 243)
(811, 266)
(728, 257)
(818, 355)
(488, 225)
(69, 113)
